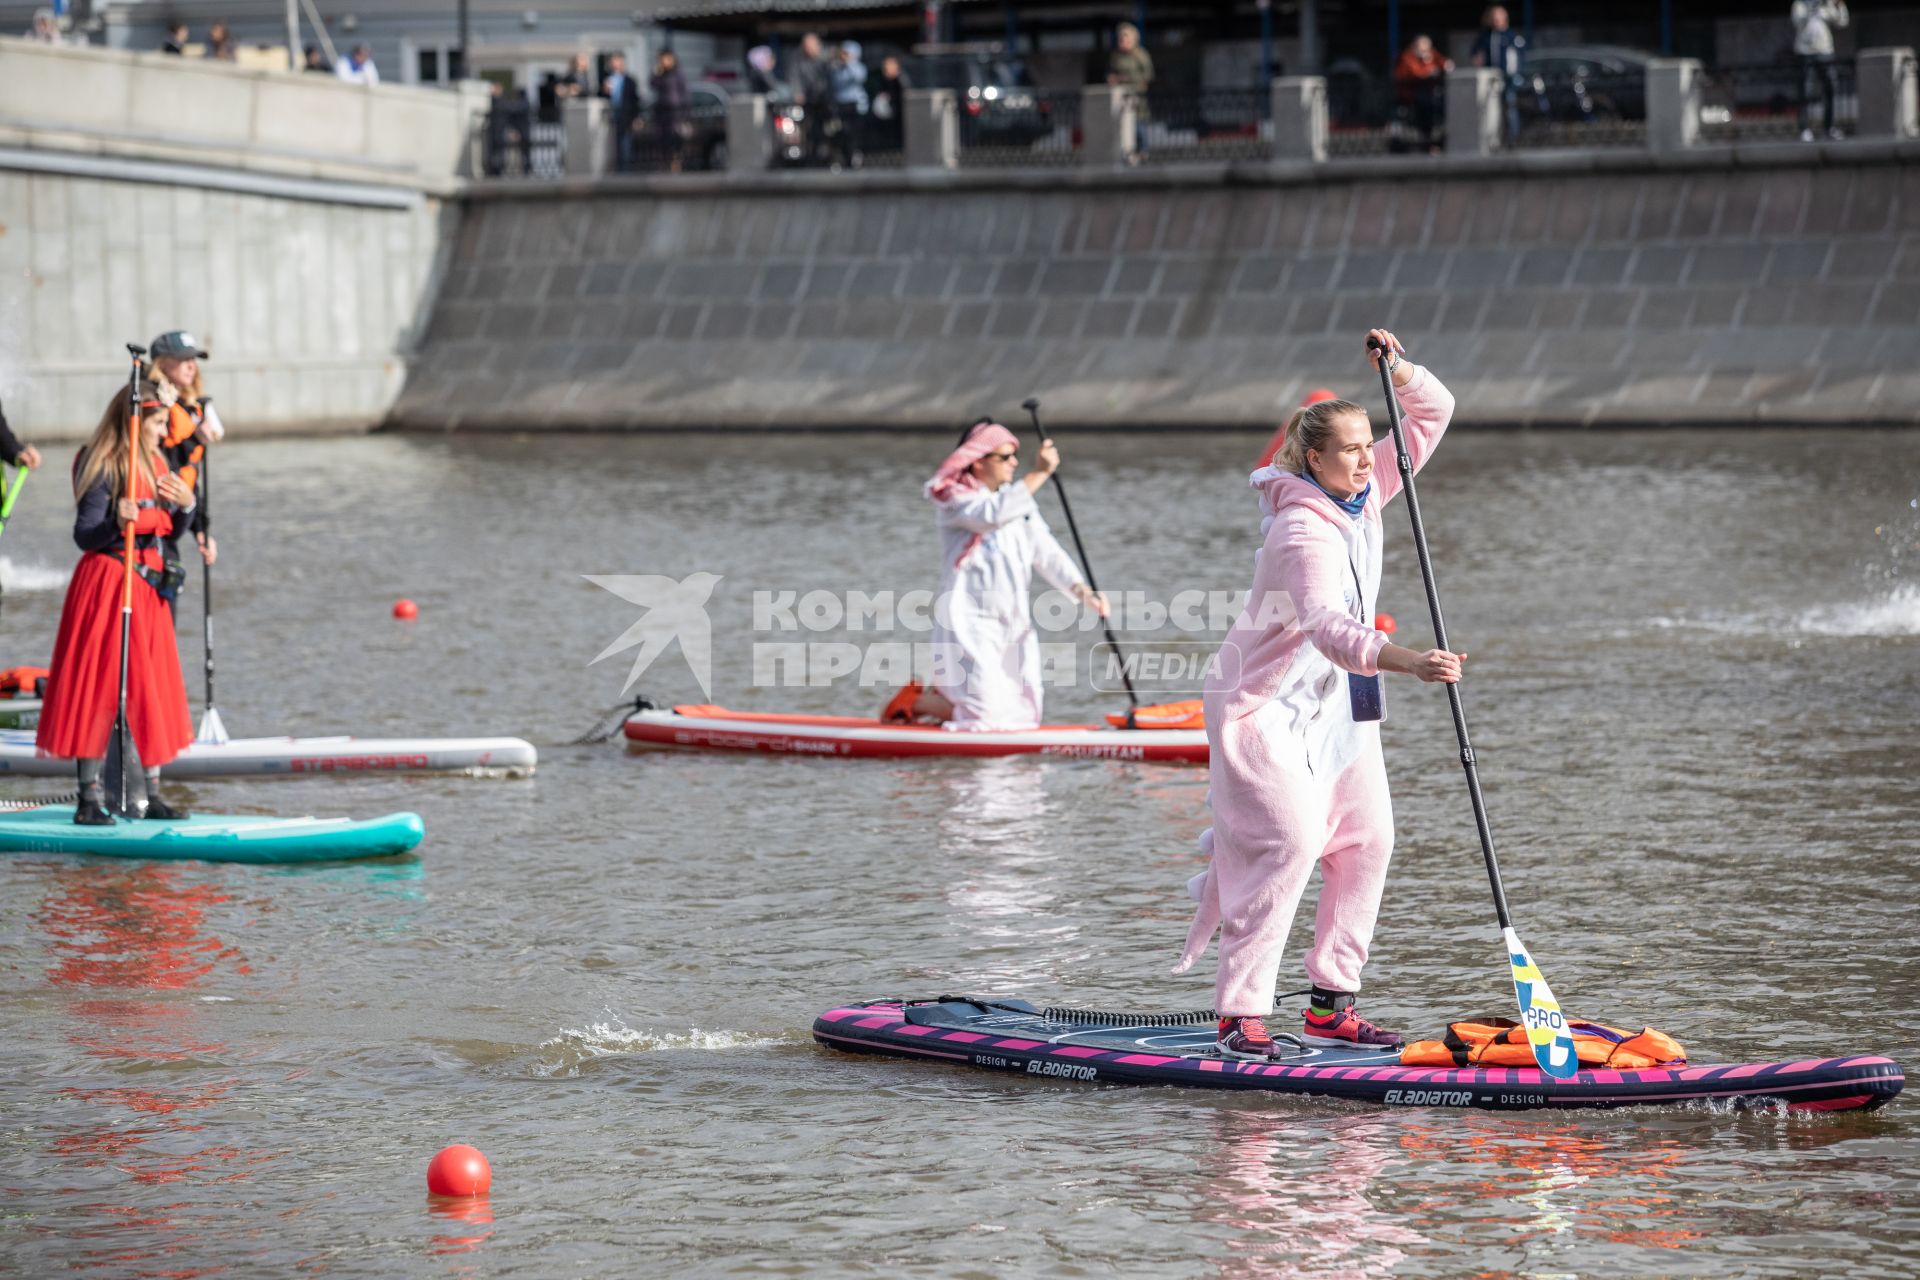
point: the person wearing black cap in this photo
(176, 356)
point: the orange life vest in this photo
(1502, 1042)
(1168, 715)
(900, 709)
(181, 425)
(15, 681)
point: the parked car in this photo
(701, 138)
(1596, 83)
(998, 102)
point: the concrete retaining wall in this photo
(148, 106)
(308, 308)
(1729, 285)
(294, 224)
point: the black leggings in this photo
(1816, 75)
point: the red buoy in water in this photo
(459, 1170)
(406, 610)
(1384, 623)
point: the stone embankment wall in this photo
(1766, 283)
(295, 225)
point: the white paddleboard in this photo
(302, 757)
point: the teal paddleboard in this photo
(212, 837)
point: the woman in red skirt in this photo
(83, 684)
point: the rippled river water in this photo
(1694, 686)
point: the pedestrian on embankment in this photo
(1814, 22)
(669, 111)
(813, 90)
(1130, 67)
(1501, 47)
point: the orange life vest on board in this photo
(15, 681)
(1502, 1042)
(1168, 715)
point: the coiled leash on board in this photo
(608, 723)
(21, 806)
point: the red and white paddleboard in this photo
(709, 728)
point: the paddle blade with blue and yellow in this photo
(1540, 1013)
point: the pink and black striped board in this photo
(1010, 1035)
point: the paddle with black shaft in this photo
(1547, 1031)
(121, 730)
(1032, 406)
(211, 729)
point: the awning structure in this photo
(687, 10)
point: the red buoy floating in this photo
(459, 1170)
(1384, 623)
(406, 610)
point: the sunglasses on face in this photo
(1003, 457)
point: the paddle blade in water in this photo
(1540, 1013)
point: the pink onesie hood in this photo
(1281, 489)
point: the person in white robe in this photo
(986, 652)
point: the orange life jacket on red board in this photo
(31, 681)
(1502, 1042)
(1167, 715)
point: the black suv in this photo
(999, 107)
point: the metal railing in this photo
(1214, 124)
(1565, 105)
(1019, 127)
(692, 141)
(513, 143)
(1782, 100)
(1577, 108)
(1349, 141)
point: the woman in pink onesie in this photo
(1293, 708)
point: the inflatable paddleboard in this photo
(211, 837)
(1177, 1049)
(709, 728)
(302, 756)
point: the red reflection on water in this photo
(118, 936)
(471, 1210)
(133, 926)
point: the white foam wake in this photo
(31, 577)
(1896, 614)
(566, 1053)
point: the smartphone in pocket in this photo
(1364, 695)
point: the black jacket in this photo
(625, 105)
(10, 446)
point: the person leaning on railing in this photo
(1814, 22)
(1420, 79)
